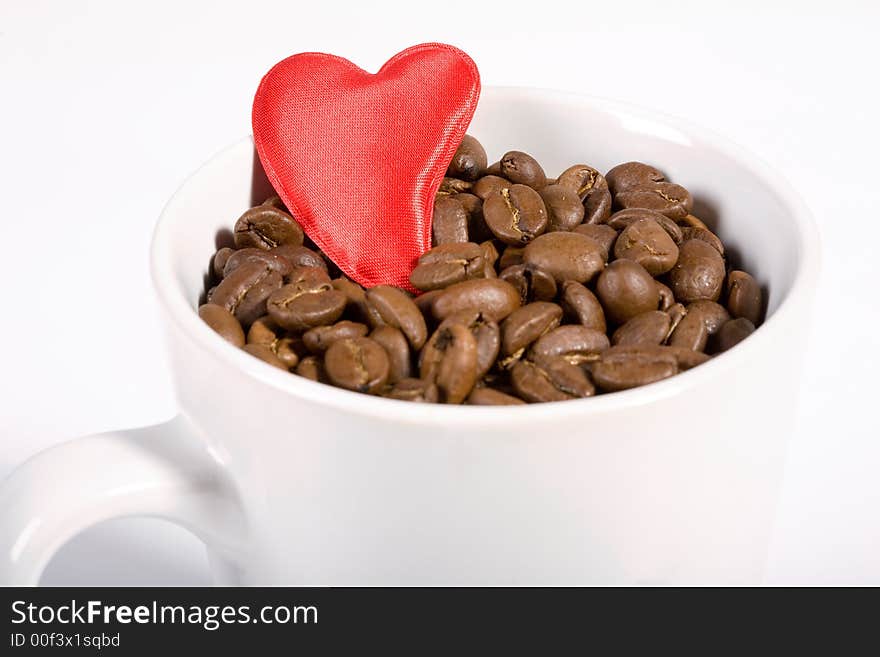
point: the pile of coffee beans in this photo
(536, 289)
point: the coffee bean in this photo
(513, 255)
(687, 358)
(289, 349)
(714, 315)
(521, 168)
(647, 328)
(477, 229)
(395, 344)
(526, 324)
(495, 298)
(693, 222)
(218, 262)
(582, 180)
(582, 306)
(300, 256)
(564, 208)
(319, 339)
(359, 364)
(299, 307)
(744, 297)
(489, 185)
(397, 309)
(492, 397)
(244, 292)
(276, 202)
(223, 322)
(532, 284)
(415, 390)
(667, 299)
(577, 344)
(707, 236)
(632, 174)
(451, 186)
(311, 277)
(597, 206)
(490, 257)
(624, 218)
(733, 332)
(691, 332)
(516, 215)
(699, 272)
(447, 264)
(621, 368)
(553, 379)
(449, 359)
(357, 307)
(450, 222)
(487, 335)
(425, 303)
(311, 368)
(469, 159)
(265, 227)
(271, 260)
(676, 312)
(666, 198)
(626, 289)
(565, 256)
(265, 354)
(604, 234)
(645, 242)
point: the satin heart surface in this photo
(358, 157)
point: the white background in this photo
(106, 106)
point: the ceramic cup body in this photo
(675, 482)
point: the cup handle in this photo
(162, 471)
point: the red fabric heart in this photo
(358, 158)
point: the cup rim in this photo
(175, 304)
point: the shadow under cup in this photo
(675, 482)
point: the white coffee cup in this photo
(288, 481)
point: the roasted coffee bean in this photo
(449, 359)
(621, 368)
(632, 174)
(218, 262)
(415, 390)
(714, 315)
(744, 297)
(582, 306)
(577, 344)
(521, 168)
(582, 180)
(687, 358)
(691, 332)
(604, 234)
(271, 260)
(667, 299)
(495, 298)
(489, 185)
(244, 292)
(693, 222)
(450, 222)
(477, 229)
(395, 344)
(698, 274)
(532, 284)
(666, 198)
(626, 289)
(265, 354)
(300, 256)
(310, 277)
(494, 169)
(359, 364)
(490, 257)
(707, 236)
(223, 322)
(552, 379)
(564, 208)
(451, 186)
(469, 160)
(565, 256)
(486, 332)
(645, 242)
(513, 255)
(492, 397)
(397, 309)
(447, 264)
(733, 332)
(622, 219)
(647, 328)
(597, 206)
(357, 307)
(276, 202)
(515, 215)
(676, 312)
(425, 303)
(311, 368)
(299, 307)
(319, 339)
(526, 324)
(265, 227)
(289, 349)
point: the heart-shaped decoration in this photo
(358, 157)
